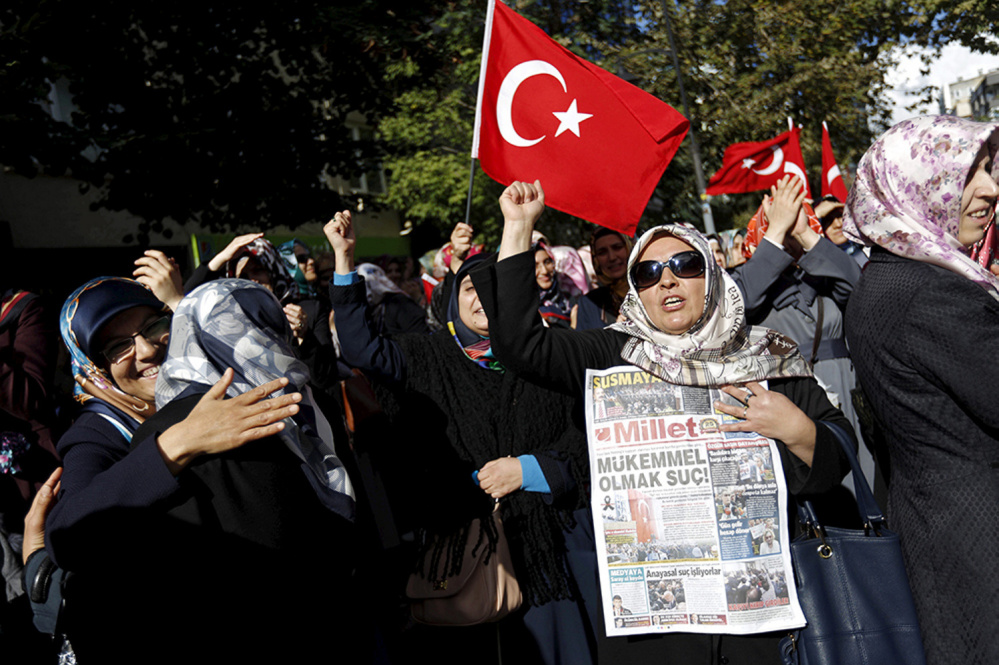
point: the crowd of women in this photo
(222, 493)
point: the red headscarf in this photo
(758, 227)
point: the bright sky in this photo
(955, 62)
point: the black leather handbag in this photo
(853, 589)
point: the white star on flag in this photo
(748, 163)
(570, 119)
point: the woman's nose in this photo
(989, 187)
(144, 349)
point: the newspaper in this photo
(689, 521)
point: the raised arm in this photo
(361, 345)
(508, 292)
(788, 224)
(161, 274)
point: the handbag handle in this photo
(870, 512)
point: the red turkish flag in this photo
(750, 167)
(598, 144)
(832, 181)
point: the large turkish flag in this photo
(750, 167)
(598, 144)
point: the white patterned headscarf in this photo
(719, 348)
(377, 285)
(906, 197)
(239, 324)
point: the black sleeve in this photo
(829, 462)
(555, 358)
(949, 328)
(201, 275)
(317, 349)
(362, 347)
(103, 477)
(402, 316)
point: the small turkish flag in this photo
(750, 167)
(598, 144)
(832, 181)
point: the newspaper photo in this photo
(689, 520)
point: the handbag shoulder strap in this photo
(870, 512)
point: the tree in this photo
(748, 65)
(210, 111)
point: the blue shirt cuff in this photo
(533, 478)
(346, 280)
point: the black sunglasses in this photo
(685, 265)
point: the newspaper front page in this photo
(689, 521)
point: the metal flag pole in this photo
(468, 201)
(709, 220)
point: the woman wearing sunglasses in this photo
(685, 324)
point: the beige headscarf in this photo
(719, 348)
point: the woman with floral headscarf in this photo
(922, 329)
(169, 514)
(684, 324)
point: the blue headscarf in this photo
(475, 346)
(239, 324)
(287, 252)
(83, 315)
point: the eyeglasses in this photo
(685, 265)
(155, 332)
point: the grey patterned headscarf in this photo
(239, 324)
(719, 348)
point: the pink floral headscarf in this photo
(571, 272)
(907, 194)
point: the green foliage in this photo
(227, 113)
(747, 65)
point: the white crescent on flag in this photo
(833, 174)
(794, 169)
(775, 164)
(504, 100)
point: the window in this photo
(372, 178)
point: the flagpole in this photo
(490, 9)
(468, 201)
(709, 220)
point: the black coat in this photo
(209, 566)
(463, 415)
(925, 343)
